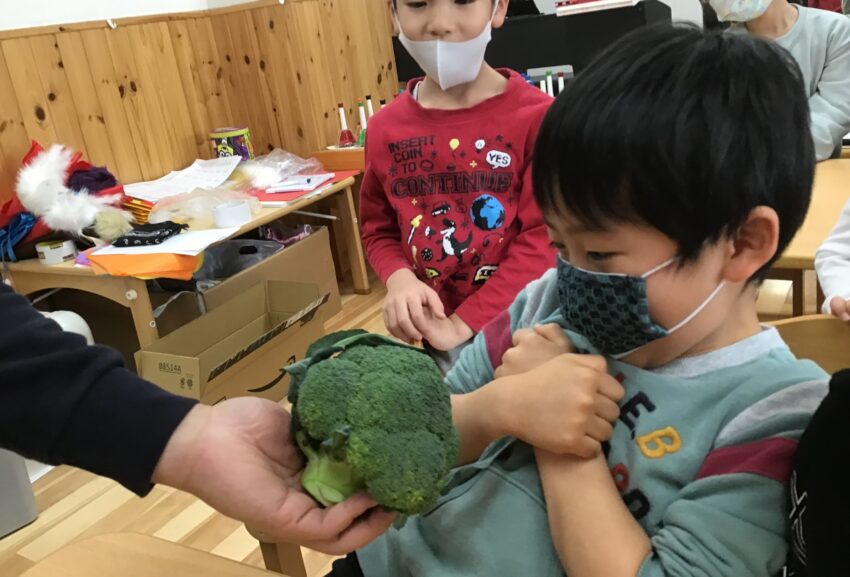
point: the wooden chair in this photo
(285, 558)
(821, 338)
(133, 555)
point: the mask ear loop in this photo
(681, 323)
(662, 266)
(698, 310)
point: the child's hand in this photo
(566, 406)
(840, 308)
(407, 297)
(446, 333)
(534, 347)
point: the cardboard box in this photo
(240, 347)
(308, 261)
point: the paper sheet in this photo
(201, 174)
(189, 243)
(300, 183)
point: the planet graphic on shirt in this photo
(487, 212)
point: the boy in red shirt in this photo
(449, 222)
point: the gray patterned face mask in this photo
(612, 310)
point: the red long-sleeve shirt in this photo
(447, 193)
(830, 5)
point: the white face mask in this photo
(450, 64)
(739, 10)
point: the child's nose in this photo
(441, 22)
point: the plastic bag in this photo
(285, 235)
(197, 208)
(276, 166)
(229, 258)
(224, 260)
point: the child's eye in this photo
(417, 4)
(464, 1)
(599, 256)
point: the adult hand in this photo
(238, 457)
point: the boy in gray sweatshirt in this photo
(820, 43)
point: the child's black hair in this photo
(683, 130)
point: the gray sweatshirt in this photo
(820, 43)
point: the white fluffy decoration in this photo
(42, 191)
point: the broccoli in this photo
(372, 414)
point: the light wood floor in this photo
(74, 504)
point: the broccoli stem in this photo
(329, 481)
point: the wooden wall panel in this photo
(142, 98)
(210, 72)
(86, 102)
(139, 101)
(193, 90)
(30, 94)
(60, 103)
(110, 94)
(157, 65)
(13, 134)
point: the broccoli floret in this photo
(372, 414)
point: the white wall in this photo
(30, 13)
(221, 3)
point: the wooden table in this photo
(31, 276)
(131, 555)
(830, 193)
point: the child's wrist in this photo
(401, 275)
(463, 330)
(498, 400)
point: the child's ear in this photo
(393, 16)
(753, 245)
(501, 13)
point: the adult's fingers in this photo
(359, 534)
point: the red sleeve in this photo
(381, 235)
(529, 255)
